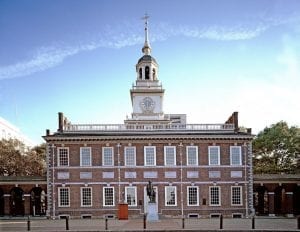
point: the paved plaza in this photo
(261, 224)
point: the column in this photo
(6, 204)
(289, 204)
(27, 199)
(271, 200)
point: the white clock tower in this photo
(147, 93)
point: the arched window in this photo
(154, 74)
(147, 74)
(140, 73)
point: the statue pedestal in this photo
(152, 214)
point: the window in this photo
(235, 155)
(193, 198)
(86, 196)
(130, 154)
(214, 155)
(170, 196)
(214, 196)
(63, 197)
(147, 73)
(85, 156)
(170, 155)
(150, 156)
(130, 196)
(63, 157)
(192, 155)
(107, 156)
(108, 196)
(236, 195)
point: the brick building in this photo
(196, 169)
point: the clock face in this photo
(147, 105)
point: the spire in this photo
(146, 49)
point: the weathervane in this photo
(146, 49)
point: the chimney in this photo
(60, 122)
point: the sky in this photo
(215, 57)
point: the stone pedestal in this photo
(152, 214)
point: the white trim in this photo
(188, 196)
(81, 196)
(90, 156)
(58, 156)
(135, 195)
(219, 193)
(241, 195)
(69, 200)
(103, 193)
(112, 153)
(154, 147)
(125, 155)
(175, 191)
(209, 147)
(240, 155)
(174, 155)
(187, 156)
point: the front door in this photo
(147, 199)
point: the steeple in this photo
(146, 49)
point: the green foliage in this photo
(276, 149)
(17, 160)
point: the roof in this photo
(147, 58)
(276, 177)
(23, 179)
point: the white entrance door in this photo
(147, 199)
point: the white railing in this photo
(148, 127)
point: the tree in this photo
(276, 149)
(17, 160)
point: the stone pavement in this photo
(261, 224)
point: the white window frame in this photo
(135, 195)
(112, 158)
(166, 192)
(59, 196)
(240, 155)
(81, 196)
(166, 155)
(187, 156)
(145, 156)
(209, 155)
(210, 196)
(58, 156)
(113, 198)
(126, 154)
(90, 156)
(240, 196)
(188, 196)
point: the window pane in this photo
(64, 197)
(235, 155)
(192, 196)
(85, 153)
(63, 156)
(214, 196)
(131, 196)
(108, 156)
(86, 196)
(108, 196)
(170, 195)
(236, 195)
(192, 155)
(214, 155)
(130, 156)
(149, 156)
(170, 156)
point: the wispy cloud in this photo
(126, 35)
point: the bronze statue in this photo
(150, 192)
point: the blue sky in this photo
(215, 57)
